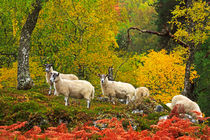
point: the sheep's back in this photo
(80, 86)
(142, 92)
(188, 104)
(124, 88)
(69, 76)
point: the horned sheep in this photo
(77, 89)
(188, 105)
(49, 70)
(114, 89)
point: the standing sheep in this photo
(77, 89)
(141, 92)
(49, 70)
(114, 89)
(188, 104)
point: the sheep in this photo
(49, 70)
(188, 105)
(77, 89)
(114, 89)
(141, 92)
(169, 105)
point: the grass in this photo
(38, 108)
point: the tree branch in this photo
(166, 33)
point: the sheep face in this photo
(48, 67)
(102, 77)
(54, 77)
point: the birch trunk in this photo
(23, 75)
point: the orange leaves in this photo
(174, 128)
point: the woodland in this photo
(163, 45)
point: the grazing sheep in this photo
(49, 70)
(188, 104)
(77, 89)
(141, 92)
(116, 89)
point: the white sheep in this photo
(114, 89)
(141, 92)
(49, 70)
(188, 105)
(77, 89)
(169, 105)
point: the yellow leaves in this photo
(181, 32)
(163, 73)
(191, 22)
(8, 77)
(14, 22)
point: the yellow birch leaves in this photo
(163, 74)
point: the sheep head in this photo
(102, 77)
(54, 76)
(48, 67)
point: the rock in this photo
(159, 108)
(163, 117)
(137, 111)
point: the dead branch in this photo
(165, 33)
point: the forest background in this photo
(86, 37)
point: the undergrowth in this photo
(39, 109)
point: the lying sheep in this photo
(189, 105)
(114, 89)
(141, 92)
(49, 70)
(77, 89)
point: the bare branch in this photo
(166, 33)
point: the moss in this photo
(42, 110)
(30, 106)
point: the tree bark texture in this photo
(23, 76)
(187, 84)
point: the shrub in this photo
(174, 128)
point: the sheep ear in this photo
(58, 74)
(51, 65)
(107, 75)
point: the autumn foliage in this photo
(8, 77)
(174, 128)
(163, 73)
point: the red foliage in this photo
(177, 110)
(170, 129)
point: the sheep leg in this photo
(127, 101)
(112, 100)
(50, 90)
(55, 91)
(66, 101)
(88, 103)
